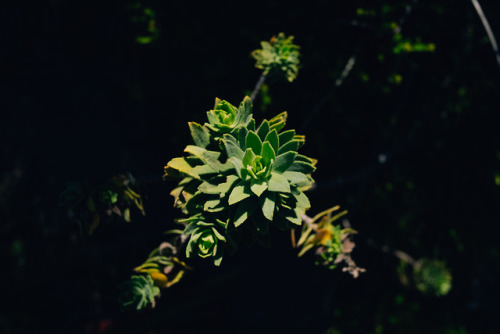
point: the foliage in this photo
(138, 292)
(331, 243)
(278, 56)
(89, 206)
(239, 179)
(432, 276)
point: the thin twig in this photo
(257, 87)
(487, 27)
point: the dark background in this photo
(81, 99)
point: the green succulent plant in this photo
(238, 173)
(225, 117)
(279, 56)
(205, 239)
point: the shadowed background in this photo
(407, 142)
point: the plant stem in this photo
(487, 27)
(257, 87)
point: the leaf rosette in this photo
(237, 172)
(279, 56)
(225, 117)
(206, 240)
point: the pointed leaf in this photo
(232, 149)
(253, 141)
(244, 211)
(302, 200)
(214, 187)
(242, 134)
(267, 154)
(203, 170)
(268, 203)
(297, 178)
(278, 121)
(263, 130)
(286, 136)
(258, 186)
(251, 125)
(248, 158)
(238, 166)
(284, 161)
(245, 110)
(272, 138)
(278, 183)
(200, 134)
(239, 193)
(209, 158)
(182, 166)
(304, 158)
(291, 146)
(303, 167)
(211, 205)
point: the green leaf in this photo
(253, 141)
(203, 170)
(263, 130)
(302, 200)
(244, 211)
(209, 158)
(267, 154)
(182, 166)
(245, 110)
(268, 203)
(211, 187)
(295, 217)
(239, 193)
(303, 167)
(297, 178)
(278, 121)
(272, 138)
(278, 183)
(200, 134)
(258, 186)
(211, 206)
(242, 134)
(238, 166)
(218, 258)
(251, 125)
(248, 158)
(303, 158)
(292, 146)
(286, 136)
(233, 150)
(284, 161)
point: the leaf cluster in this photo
(279, 56)
(239, 179)
(91, 205)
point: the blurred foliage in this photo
(432, 276)
(144, 18)
(139, 292)
(89, 206)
